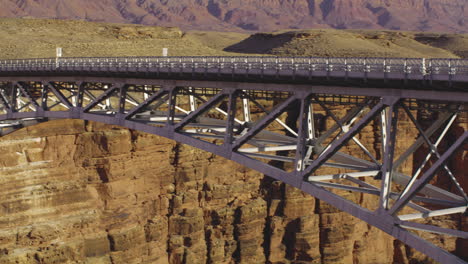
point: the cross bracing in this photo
(328, 140)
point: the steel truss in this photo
(310, 137)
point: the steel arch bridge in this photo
(298, 120)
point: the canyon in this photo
(83, 192)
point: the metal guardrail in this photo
(392, 68)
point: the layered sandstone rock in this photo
(81, 192)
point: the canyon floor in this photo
(83, 192)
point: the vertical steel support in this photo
(310, 122)
(383, 129)
(171, 105)
(4, 100)
(122, 98)
(385, 70)
(246, 108)
(192, 99)
(108, 103)
(145, 92)
(303, 133)
(390, 128)
(44, 97)
(73, 97)
(310, 130)
(13, 96)
(229, 136)
(80, 94)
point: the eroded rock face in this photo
(78, 192)
(263, 15)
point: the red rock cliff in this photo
(263, 15)
(78, 192)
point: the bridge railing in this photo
(385, 66)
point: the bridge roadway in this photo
(298, 120)
(256, 69)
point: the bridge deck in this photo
(427, 74)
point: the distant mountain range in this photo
(256, 15)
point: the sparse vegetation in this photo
(36, 38)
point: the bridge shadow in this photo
(260, 43)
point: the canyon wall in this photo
(82, 192)
(255, 15)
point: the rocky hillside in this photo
(256, 15)
(38, 38)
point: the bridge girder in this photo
(310, 137)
